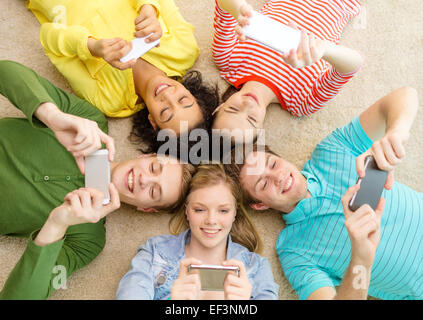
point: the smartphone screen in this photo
(371, 186)
(97, 172)
(272, 33)
(212, 277)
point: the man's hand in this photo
(147, 23)
(84, 205)
(363, 227)
(236, 287)
(187, 286)
(78, 135)
(388, 152)
(111, 50)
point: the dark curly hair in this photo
(207, 97)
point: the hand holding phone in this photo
(97, 172)
(363, 226)
(371, 186)
(139, 47)
(187, 286)
(272, 33)
(237, 286)
(212, 277)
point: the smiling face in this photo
(210, 213)
(243, 110)
(169, 102)
(148, 181)
(276, 183)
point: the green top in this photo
(36, 174)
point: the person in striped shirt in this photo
(302, 81)
(324, 245)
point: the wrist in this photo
(362, 262)
(50, 232)
(91, 44)
(45, 112)
(330, 51)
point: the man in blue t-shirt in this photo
(327, 251)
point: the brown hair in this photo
(188, 171)
(238, 157)
(242, 231)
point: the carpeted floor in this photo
(389, 34)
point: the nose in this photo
(277, 178)
(211, 217)
(144, 179)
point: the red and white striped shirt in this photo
(301, 91)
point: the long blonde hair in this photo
(242, 231)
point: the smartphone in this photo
(272, 33)
(212, 277)
(371, 186)
(139, 47)
(97, 172)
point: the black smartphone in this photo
(371, 186)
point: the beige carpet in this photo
(390, 35)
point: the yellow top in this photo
(66, 26)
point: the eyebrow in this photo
(261, 178)
(171, 117)
(233, 111)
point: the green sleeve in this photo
(26, 90)
(41, 270)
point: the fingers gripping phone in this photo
(272, 33)
(97, 172)
(371, 186)
(212, 277)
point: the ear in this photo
(150, 210)
(217, 109)
(152, 121)
(259, 206)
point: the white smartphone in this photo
(212, 277)
(139, 47)
(272, 33)
(97, 172)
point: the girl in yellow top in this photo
(85, 40)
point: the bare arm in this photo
(363, 226)
(388, 122)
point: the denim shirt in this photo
(156, 266)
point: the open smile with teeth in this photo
(131, 180)
(288, 184)
(210, 232)
(160, 88)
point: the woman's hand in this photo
(187, 286)
(310, 50)
(236, 287)
(112, 50)
(243, 18)
(147, 23)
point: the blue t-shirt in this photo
(314, 248)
